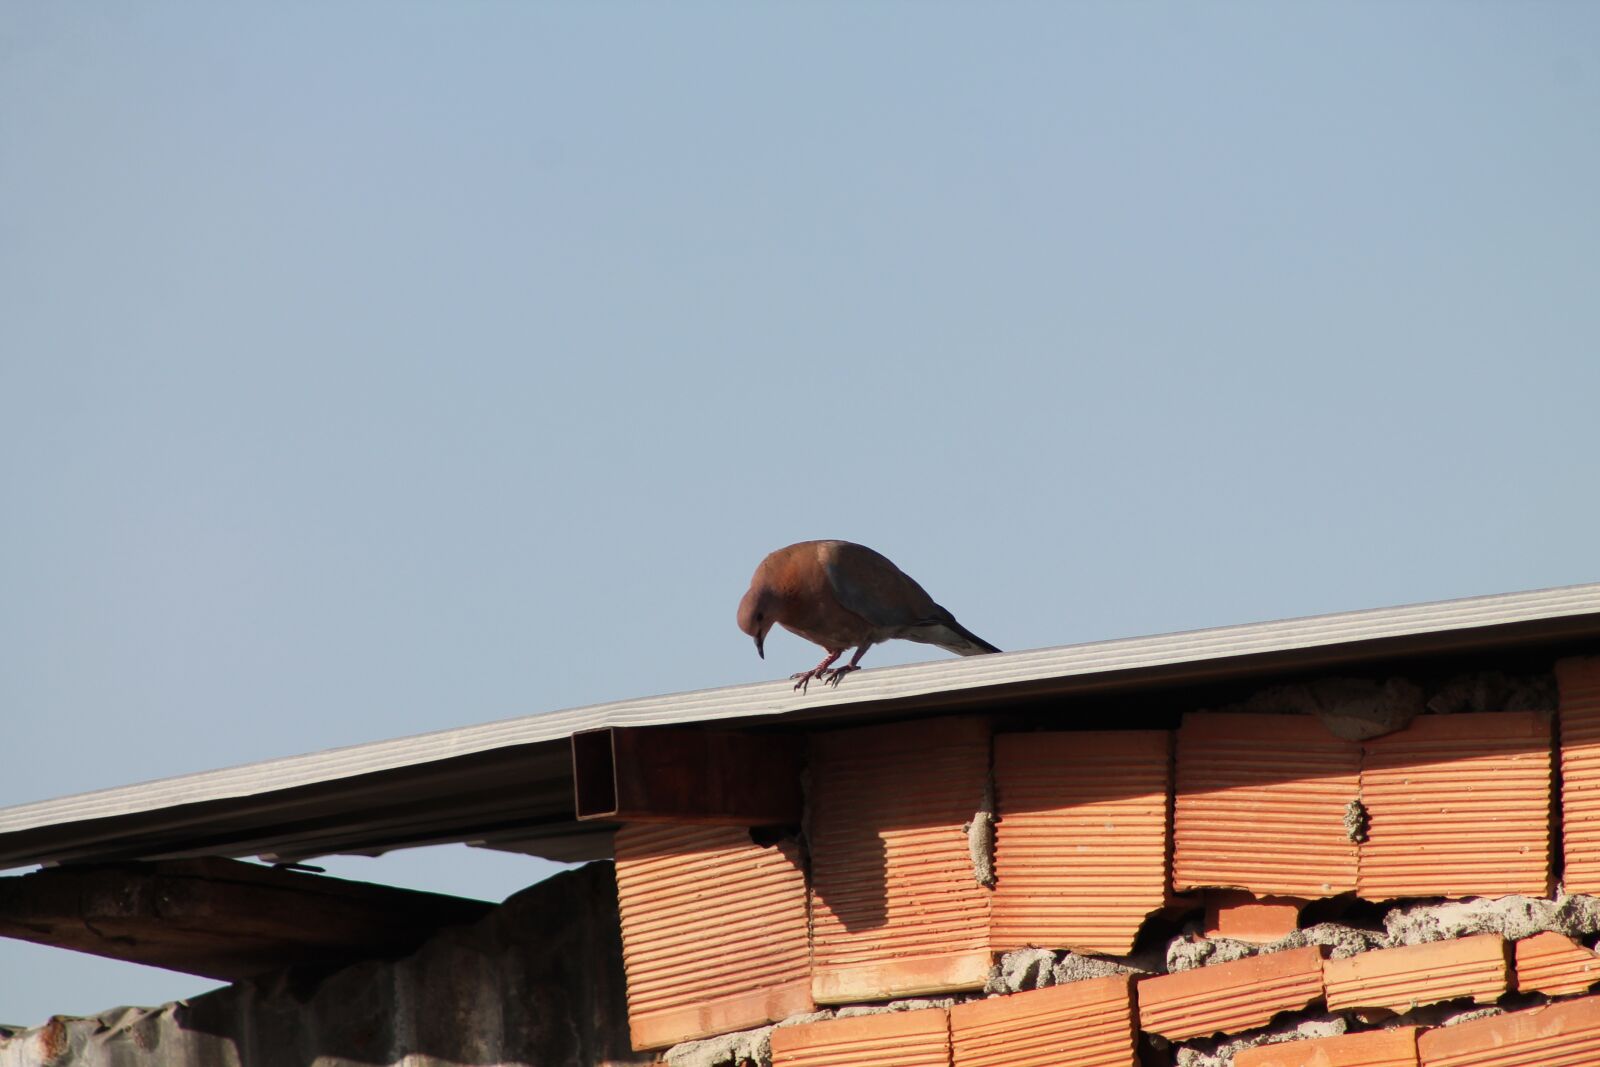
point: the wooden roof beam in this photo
(220, 918)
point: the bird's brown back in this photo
(805, 601)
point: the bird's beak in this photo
(759, 650)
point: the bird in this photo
(839, 594)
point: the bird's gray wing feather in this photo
(931, 625)
(855, 597)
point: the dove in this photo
(838, 594)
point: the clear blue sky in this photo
(372, 368)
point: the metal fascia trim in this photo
(770, 699)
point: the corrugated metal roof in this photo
(508, 783)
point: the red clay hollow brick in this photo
(1081, 843)
(894, 1039)
(1554, 965)
(896, 908)
(1261, 803)
(1375, 1048)
(1399, 979)
(1086, 1024)
(1579, 684)
(1230, 996)
(1242, 917)
(1458, 805)
(713, 931)
(1557, 1035)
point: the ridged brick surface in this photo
(896, 908)
(1081, 845)
(1458, 805)
(896, 1039)
(713, 931)
(1552, 964)
(1400, 979)
(1261, 803)
(1229, 997)
(1557, 1035)
(1375, 1048)
(1086, 1024)
(1579, 683)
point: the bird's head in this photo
(756, 614)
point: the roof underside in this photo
(508, 784)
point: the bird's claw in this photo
(834, 674)
(802, 681)
(830, 675)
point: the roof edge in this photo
(777, 699)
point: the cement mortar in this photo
(912, 1004)
(980, 837)
(1495, 691)
(1351, 708)
(1514, 918)
(1188, 952)
(1356, 822)
(1221, 1053)
(1072, 967)
(980, 846)
(1026, 968)
(1433, 1015)
(737, 1049)
(753, 1048)
(1185, 953)
(1039, 968)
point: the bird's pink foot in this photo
(802, 681)
(833, 675)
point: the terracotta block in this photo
(1242, 917)
(1081, 843)
(894, 1039)
(1261, 802)
(1375, 1048)
(1458, 805)
(1556, 1035)
(1554, 965)
(1230, 996)
(1399, 979)
(896, 908)
(1087, 1024)
(1579, 683)
(713, 931)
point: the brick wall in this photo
(1248, 888)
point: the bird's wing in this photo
(868, 584)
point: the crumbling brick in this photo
(1459, 805)
(1565, 1034)
(713, 931)
(893, 1039)
(895, 908)
(1578, 681)
(1240, 916)
(1375, 1048)
(1554, 965)
(1399, 979)
(1229, 997)
(1261, 802)
(1087, 1024)
(1081, 846)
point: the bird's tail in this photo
(953, 637)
